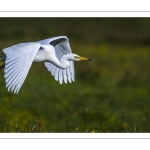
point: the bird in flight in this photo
(55, 52)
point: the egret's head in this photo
(79, 58)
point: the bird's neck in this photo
(63, 63)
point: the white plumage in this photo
(54, 52)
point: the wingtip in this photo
(61, 82)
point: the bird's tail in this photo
(2, 59)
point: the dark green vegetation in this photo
(111, 94)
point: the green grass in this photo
(110, 94)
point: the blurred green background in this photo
(110, 94)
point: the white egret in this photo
(55, 52)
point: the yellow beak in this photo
(84, 58)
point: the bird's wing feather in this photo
(62, 47)
(54, 40)
(17, 63)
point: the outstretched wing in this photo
(62, 47)
(17, 63)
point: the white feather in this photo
(18, 62)
(56, 75)
(60, 77)
(68, 74)
(62, 47)
(65, 75)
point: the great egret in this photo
(55, 52)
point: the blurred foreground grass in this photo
(110, 94)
